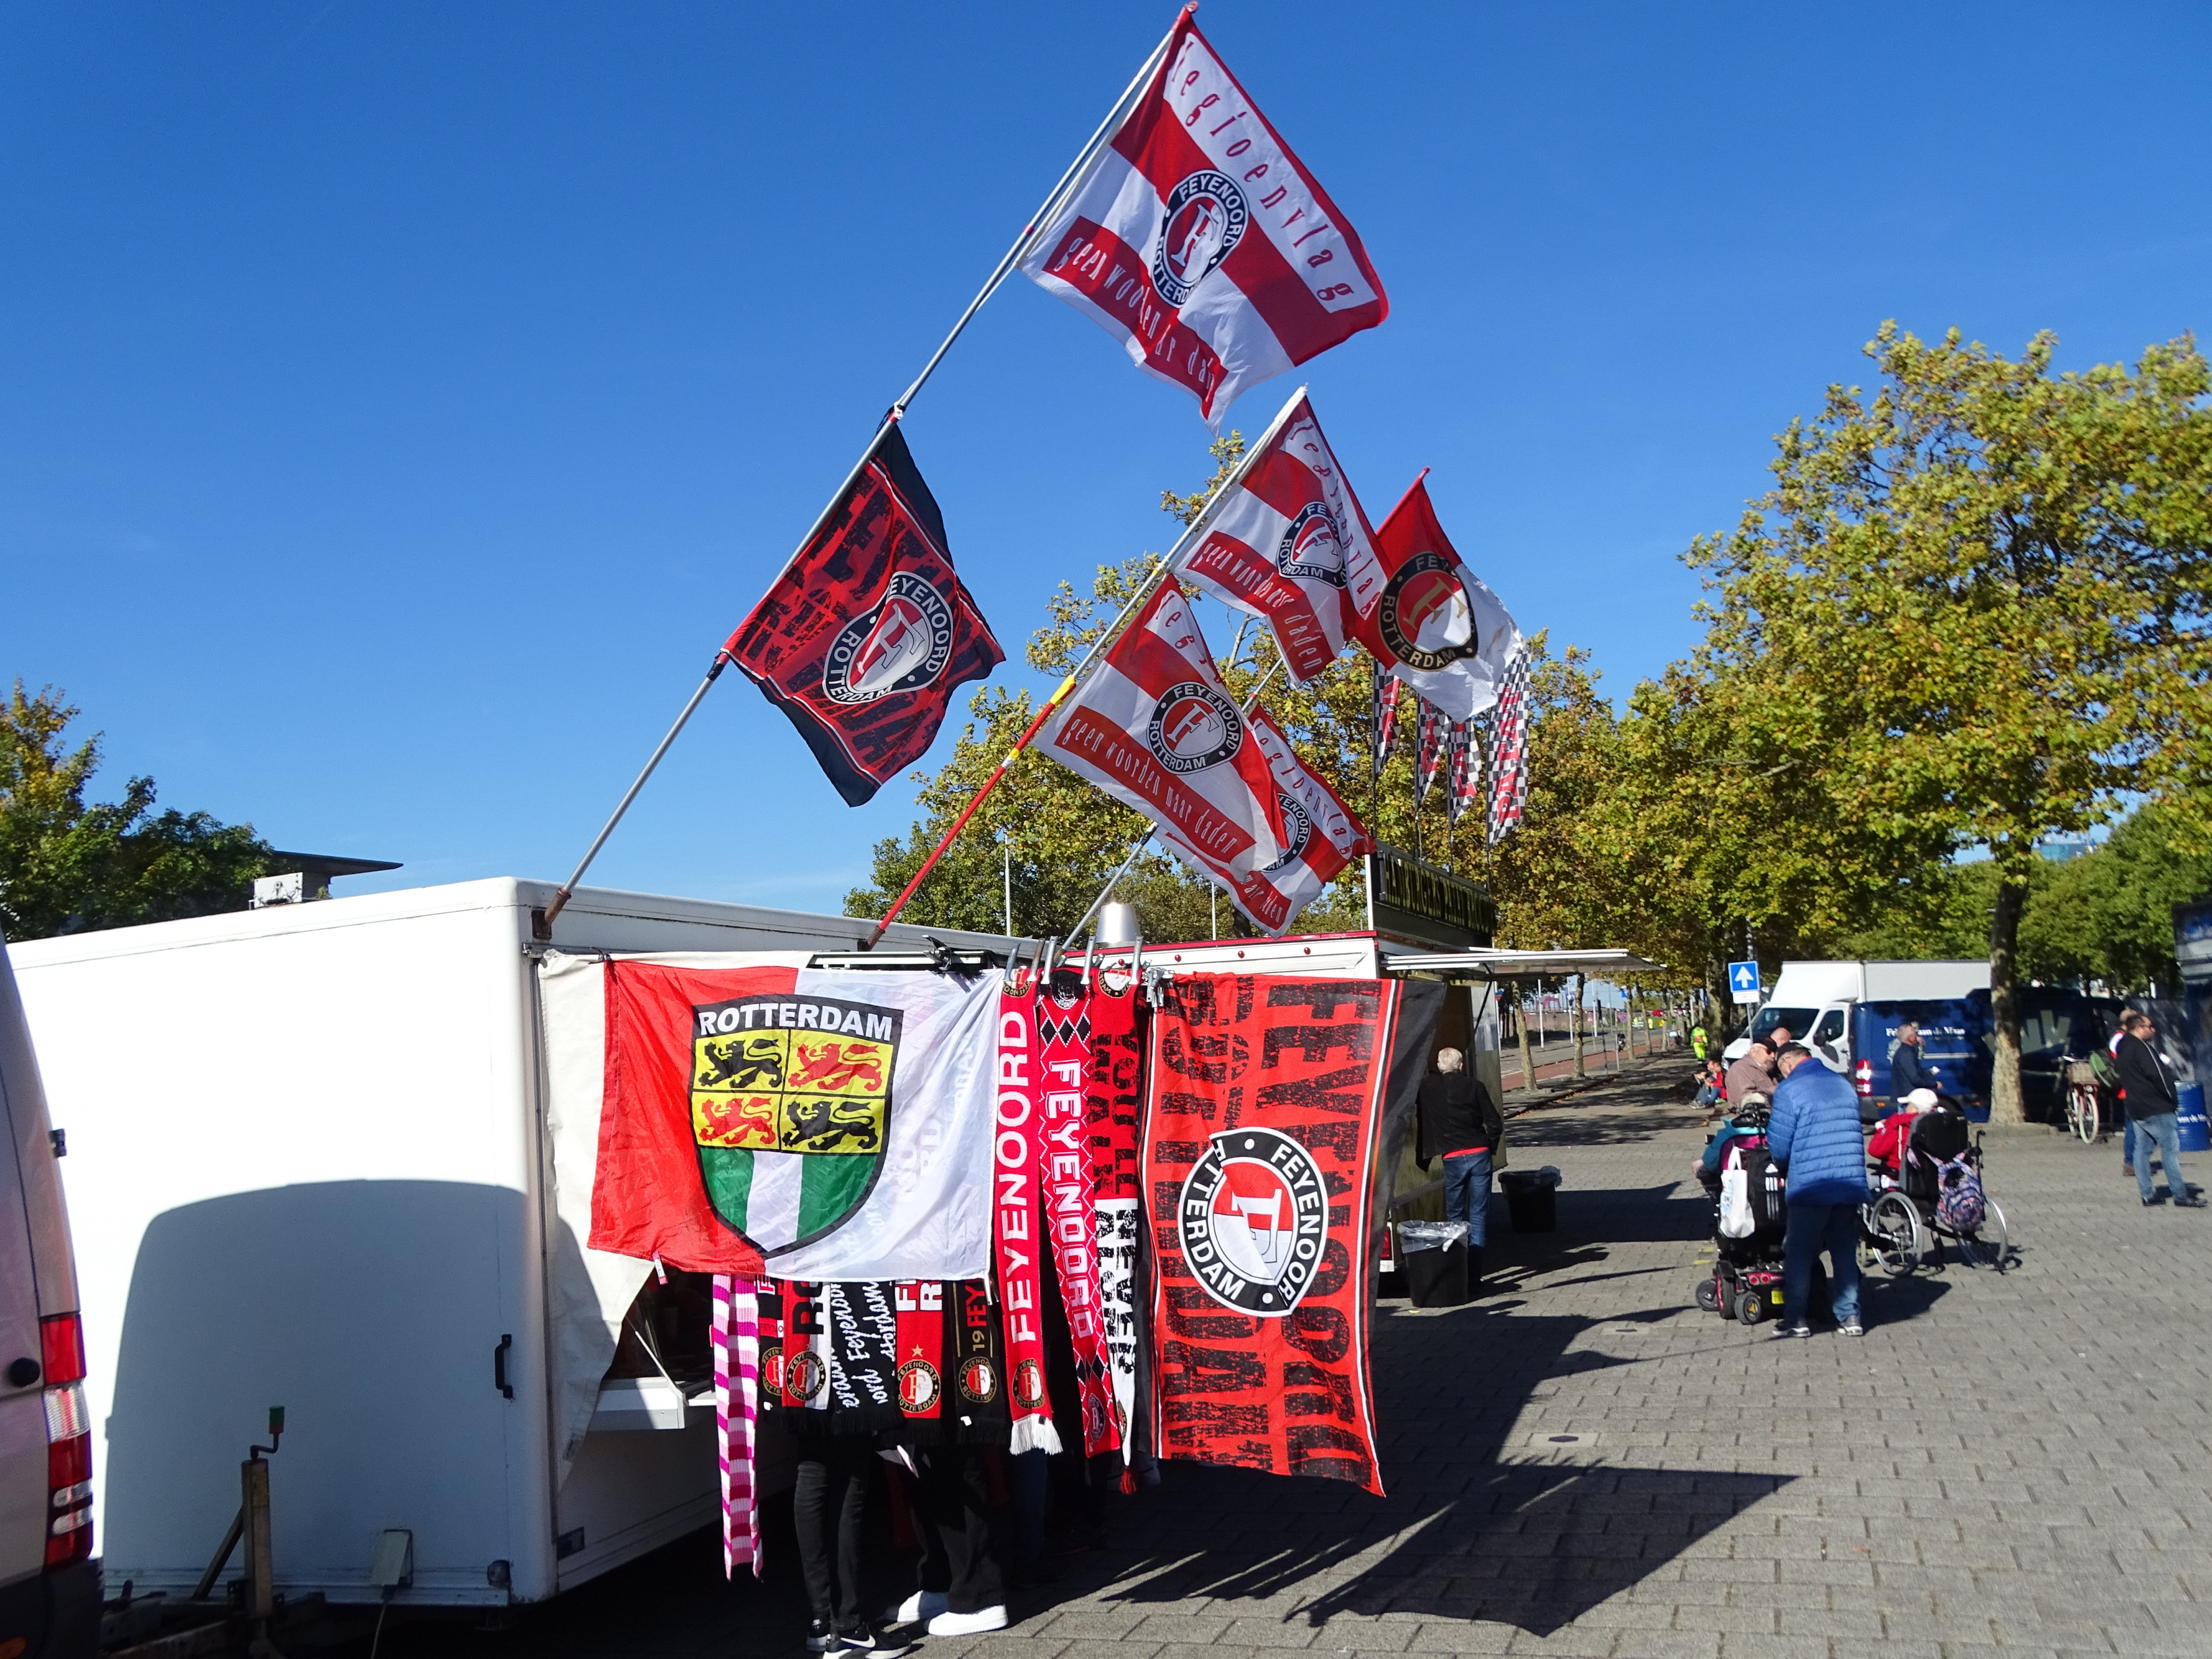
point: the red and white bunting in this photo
(1462, 770)
(1435, 625)
(1429, 754)
(1197, 239)
(1319, 834)
(1154, 726)
(1290, 545)
(1509, 748)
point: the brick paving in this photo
(2003, 1466)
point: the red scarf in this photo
(1015, 1223)
(1064, 1176)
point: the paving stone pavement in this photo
(2002, 1466)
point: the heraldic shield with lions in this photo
(774, 1120)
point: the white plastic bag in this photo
(1736, 1219)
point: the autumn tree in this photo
(68, 864)
(1970, 612)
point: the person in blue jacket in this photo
(1815, 1135)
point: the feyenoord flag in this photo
(1318, 833)
(1197, 238)
(1462, 770)
(1508, 747)
(1435, 625)
(1154, 726)
(863, 640)
(830, 1126)
(1428, 756)
(1258, 1172)
(1291, 546)
(1112, 1097)
(1386, 715)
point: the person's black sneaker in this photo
(857, 1637)
(2151, 1200)
(2187, 1202)
(1801, 1329)
(821, 1636)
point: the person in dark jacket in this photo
(2154, 1107)
(1815, 1135)
(1459, 1122)
(1908, 1064)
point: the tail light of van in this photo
(1863, 1077)
(69, 1443)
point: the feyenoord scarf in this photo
(1290, 545)
(1202, 243)
(952, 1380)
(1018, 1225)
(816, 1125)
(736, 1342)
(1064, 1183)
(863, 638)
(1112, 1097)
(1265, 1110)
(836, 1368)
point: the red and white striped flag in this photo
(1429, 754)
(1436, 626)
(1508, 747)
(1197, 238)
(1154, 726)
(1319, 835)
(1290, 545)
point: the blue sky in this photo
(399, 403)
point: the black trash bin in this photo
(1530, 1198)
(1432, 1259)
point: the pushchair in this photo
(1749, 1221)
(1908, 1219)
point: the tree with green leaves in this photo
(1971, 613)
(67, 865)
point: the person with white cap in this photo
(1888, 1147)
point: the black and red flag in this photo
(867, 634)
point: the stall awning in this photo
(1518, 964)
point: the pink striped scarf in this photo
(737, 1407)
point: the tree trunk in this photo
(2006, 1105)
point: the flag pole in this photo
(1197, 526)
(1091, 146)
(1152, 830)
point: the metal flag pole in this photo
(1196, 528)
(1152, 830)
(1084, 157)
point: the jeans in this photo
(2163, 1131)
(1814, 1228)
(1467, 1196)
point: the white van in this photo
(49, 1583)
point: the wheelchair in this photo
(1899, 1230)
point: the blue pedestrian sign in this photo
(1743, 981)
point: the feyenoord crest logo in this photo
(1194, 727)
(901, 645)
(1311, 547)
(1298, 830)
(918, 1388)
(1253, 1218)
(1426, 618)
(1028, 1385)
(979, 1380)
(803, 1374)
(1205, 219)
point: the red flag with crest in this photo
(1433, 623)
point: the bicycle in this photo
(2083, 1117)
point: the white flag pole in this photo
(1096, 142)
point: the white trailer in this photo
(310, 1165)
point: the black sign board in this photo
(1409, 900)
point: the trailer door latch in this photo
(499, 1367)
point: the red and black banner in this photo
(1113, 1099)
(1268, 1098)
(863, 640)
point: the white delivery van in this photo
(313, 1164)
(1814, 1000)
(49, 1583)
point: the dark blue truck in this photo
(2055, 1024)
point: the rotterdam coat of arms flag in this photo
(1291, 546)
(863, 640)
(1155, 727)
(1197, 239)
(1435, 625)
(797, 1122)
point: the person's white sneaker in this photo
(968, 1624)
(917, 1608)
